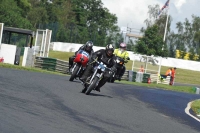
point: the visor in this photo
(109, 52)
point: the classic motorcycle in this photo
(94, 80)
(120, 62)
(79, 65)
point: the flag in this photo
(165, 6)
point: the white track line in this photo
(188, 112)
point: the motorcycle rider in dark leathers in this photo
(107, 57)
(88, 47)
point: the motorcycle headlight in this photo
(102, 69)
(117, 61)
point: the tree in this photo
(151, 43)
(12, 15)
(155, 31)
(94, 22)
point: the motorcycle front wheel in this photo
(92, 85)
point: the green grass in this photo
(196, 107)
(186, 89)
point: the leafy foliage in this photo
(73, 20)
(12, 15)
(151, 43)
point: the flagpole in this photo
(166, 24)
(166, 27)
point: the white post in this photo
(42, 45)
(45, 42)
(35, 42)
(1, 33)
(145, 70)
(159, 69)
(133, 62)
(49, 41)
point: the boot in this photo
(84, 88)
(97, 88)
(120, 77)
(69, 68)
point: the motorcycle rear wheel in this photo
(92, 85)
(74, 73)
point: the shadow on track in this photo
(93, 94)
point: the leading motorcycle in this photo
(79, 65)
(96, 77)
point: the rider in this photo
(121, 52)
(107, 57)
(88, 47)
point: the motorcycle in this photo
(120, 62)
(94, 80)
(79, 65)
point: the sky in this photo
(132, 13)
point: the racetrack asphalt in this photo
(33, 102)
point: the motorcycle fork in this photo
(79, 70)
(73, 68)
(100, 77)
(93, 76)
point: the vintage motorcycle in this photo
(79, 65)
(116, 76)
(96, 77)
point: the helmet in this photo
(109, 49)
(122, 45)
(88, 45)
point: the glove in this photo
(128, 58)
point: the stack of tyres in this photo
(134, 76)
(46, 63)
(49, 64)
(146, 76)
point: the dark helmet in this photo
(109, 49)
(88, 45)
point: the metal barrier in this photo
(51, 64)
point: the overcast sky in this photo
(134, 12)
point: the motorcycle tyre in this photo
(84, 90)
(92, 86)
(74, 73)
(112, 79)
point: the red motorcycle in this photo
(79, 65)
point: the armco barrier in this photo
(51, 64)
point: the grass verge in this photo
(196, 107)
(186, 89)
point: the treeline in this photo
(78, 21)
(186, 38)
(74, 21)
